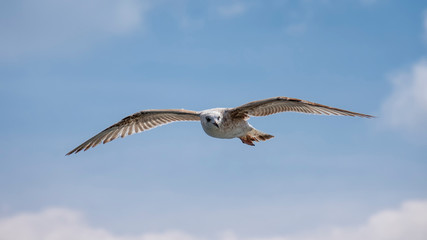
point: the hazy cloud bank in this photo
(409, 221)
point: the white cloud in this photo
(65, 224)
(232, 10)
(49, 27)
(406, 107)
(407, 222)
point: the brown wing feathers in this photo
(284, 104)
(136, 123)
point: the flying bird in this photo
(216, 122)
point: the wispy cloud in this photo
(232, 10)
(207, 14)
(406, 107)
(409, 221)
(46, 27)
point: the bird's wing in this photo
(285, 104)
(136, 123)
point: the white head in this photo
(211, 119)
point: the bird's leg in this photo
(255, 135)
(248, 140)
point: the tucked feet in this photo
(256, 136)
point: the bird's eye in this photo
(208, 119)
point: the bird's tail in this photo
(255, 135)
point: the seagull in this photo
(224, 123)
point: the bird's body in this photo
(225, 127)
(224, 123)
(219, 123)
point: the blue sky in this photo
(69, 69)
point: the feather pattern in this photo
(138, 122)
(285, 104)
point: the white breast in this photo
(228, 129)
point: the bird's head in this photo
(211, 119)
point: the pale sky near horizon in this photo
(69, 69)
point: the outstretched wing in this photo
(285, 104)
(136, 123)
